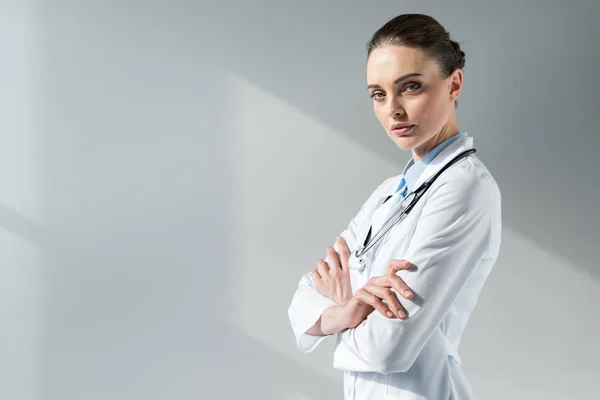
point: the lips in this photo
(401, 129)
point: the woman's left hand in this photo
(378, 293)
(332, 277)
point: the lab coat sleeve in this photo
(306, 309)
(452, 235)
(307, 303)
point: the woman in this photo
(399, 318)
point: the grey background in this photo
(168, 170)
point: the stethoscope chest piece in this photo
(357, 262)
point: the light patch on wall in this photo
(295, 185)
(21, 201)
(532, 325)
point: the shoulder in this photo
(390, 184)
(386, 187)
(468, 181)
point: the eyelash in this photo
(403, 89)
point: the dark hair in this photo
(423, 32)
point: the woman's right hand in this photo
(332, 277)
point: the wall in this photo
(169, 170)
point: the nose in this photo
(394, 107)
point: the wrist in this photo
(332, 320)
(343, 301)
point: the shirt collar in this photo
(413, 170)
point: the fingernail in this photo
(389, 314)
(407, 293)
(402, 315)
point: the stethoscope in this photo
(358, 259)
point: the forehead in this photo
(386, 64)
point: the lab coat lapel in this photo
(382, 209)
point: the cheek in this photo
(419, 108)
(428, 110)
(381, 113)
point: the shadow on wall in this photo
(290, 55)
(21, 225)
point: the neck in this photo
(448, 131)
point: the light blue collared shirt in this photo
(412, 170)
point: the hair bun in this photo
(460, 55)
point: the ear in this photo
(455, 81)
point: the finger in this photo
(366, 297)
(322, 267)
(333, 258)
(389, 297)
(394, 281)
(316, 276)
(397, 265)
(344, 251)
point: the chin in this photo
(404, 143)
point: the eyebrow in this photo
(397, 81)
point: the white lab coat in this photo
(452, 236)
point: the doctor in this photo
(398, 317)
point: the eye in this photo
(411, 87)
(377, 95)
